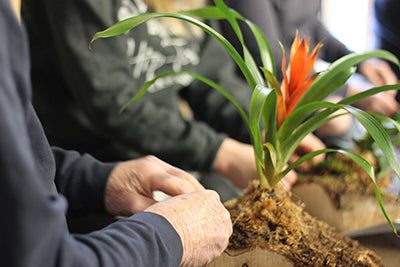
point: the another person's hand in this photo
(202, 222)
(309, 144)
(131, 184)
(289, 180)
(236, 161)
(378, 72)
(384, 103)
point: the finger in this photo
(141, 203)
(293, 157)
(186, 176)
(176, 172)
(388, 76)
(171, 184)
(375, 71)
(376, 78)
(386, 105)
(289, 180)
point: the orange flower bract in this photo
(299, 80)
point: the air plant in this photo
(289, 110)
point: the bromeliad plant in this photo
(290, 110)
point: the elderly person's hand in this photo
(201, 221)
(198, 216)
(131, 184)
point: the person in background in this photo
(78, 91)
(280, 20)
(39, 183)
(387, 28)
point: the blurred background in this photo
(350, 22)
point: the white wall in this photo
(349, 21)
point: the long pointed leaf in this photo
(207, 81)
(345, 63)
(269, 118)
(373, 127)
(209, 12)
(357, 97)
(248, 58)
(301, 114)
(127, 24)
(260, 94)
(271, 153)
(326, 83)
(230, 17)
(267, 57)
(265, 50)
(379, 134)
(272, 81)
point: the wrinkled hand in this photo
(131, 184)
(201, 221)
(236, 161)
(378, 72)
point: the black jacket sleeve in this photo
(82, 180)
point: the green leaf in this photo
(267, 57)
(123, 26)
(305, 114)
(327, 82)
(127, 24)
(269, 118)
(209, 12)
(230, 17)
(373, 91)
(207, 81)
(260, 94)
(144, 89)
(271, 153)
(251, 64)
(335, 76)
(263, 45)
(381, 117)
(379, 134)
(272, 81)
(248, 58)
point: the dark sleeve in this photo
(107, 84)
(33, 230)
(82, 180)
